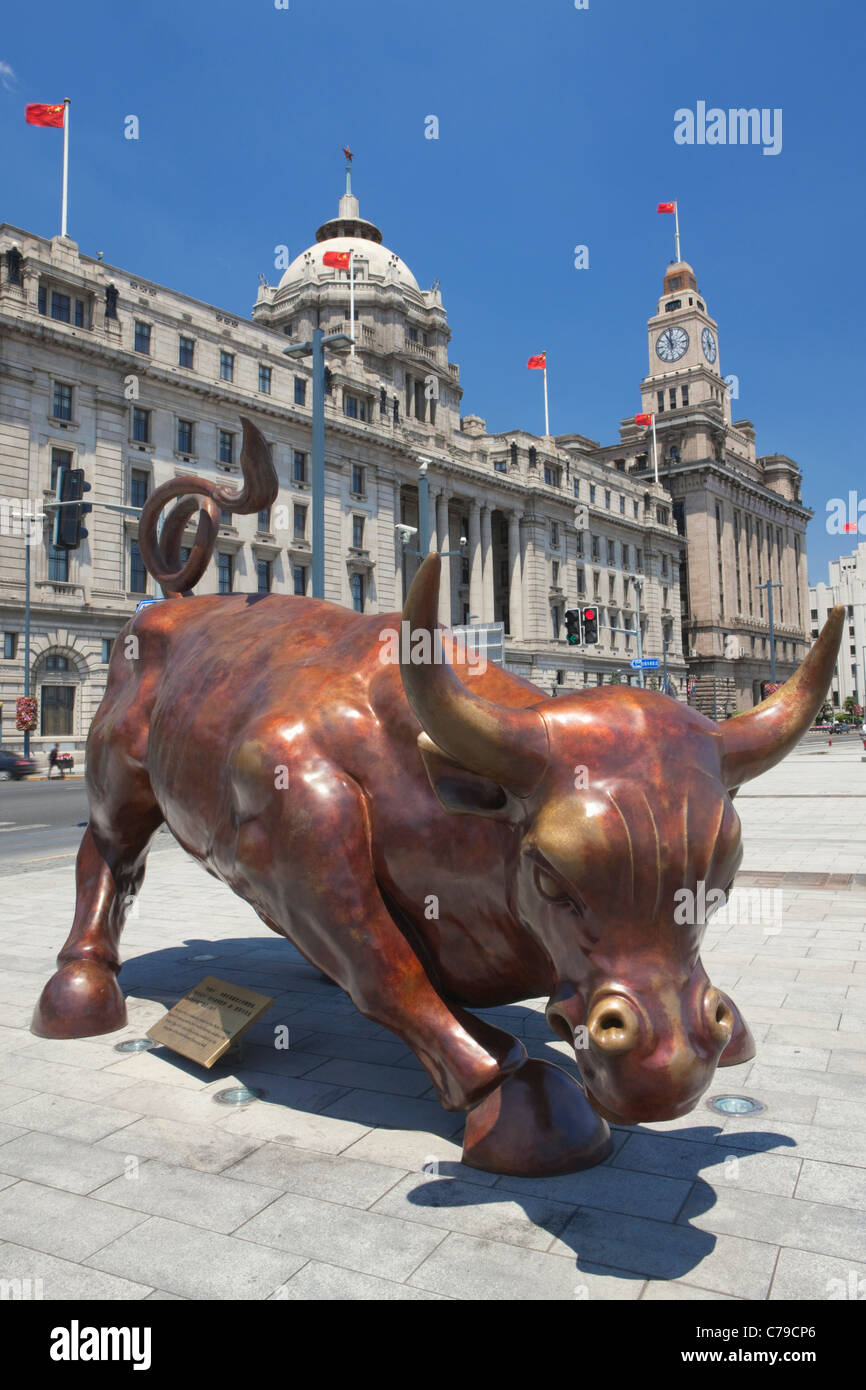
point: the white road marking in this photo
(7, 827)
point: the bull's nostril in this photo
(613, 1026)
(720, 1016)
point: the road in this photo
(42, 821)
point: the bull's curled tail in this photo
(161, 553)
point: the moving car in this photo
(14, 766)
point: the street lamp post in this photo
(770, 586)
(316, 348)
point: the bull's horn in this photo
(508, 745)
(755, 741)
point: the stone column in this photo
(487, 610)
(515, 576)
(442, 532)
(398, 552)
(476, 592)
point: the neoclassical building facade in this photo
(847, 585)
(135, 383)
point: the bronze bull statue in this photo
(341, 794)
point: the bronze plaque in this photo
(204, 1024)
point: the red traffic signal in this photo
(590, 626)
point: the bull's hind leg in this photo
(83, 997)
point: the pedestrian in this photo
(53, 762)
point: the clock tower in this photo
(684, 366)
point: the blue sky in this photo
(555, 129)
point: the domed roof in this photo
(348, 231)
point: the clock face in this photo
(672, 343)
(708, 343)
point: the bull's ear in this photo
(465, 793)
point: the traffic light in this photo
(68, 530)
(590, 626)
(572, 627)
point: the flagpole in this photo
(655, 452)
(676, 231)
(65, 164)
(546, 409)
(352, 297)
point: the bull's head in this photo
(620, 799)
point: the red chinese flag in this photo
(643, 420)
(338, 259)
(35, 114)
(540, 360)
(666, 207)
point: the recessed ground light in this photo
(735, 1105)
(236, 1095)
(135, 1045)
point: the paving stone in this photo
(11, 1096)
(672, 1291)
(712, 1163)
(65, 1163)
(286, 1168)
(216, 1202)
(609, 1187)
(72, 1119)
(658, 1250)
(373, 1108)
(361, 1240)
(399, 1081)
(189, 1146)
(809, 1277)
(64, 1279)
(324, 1133)
(61, 1080)
(495, 1214)
(820, 1227)
(415, 1150)
(60, 1223)
(197, 1264)
(317, 1281)
(835, 1183)
(486, 1270)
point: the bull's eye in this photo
(549, 886)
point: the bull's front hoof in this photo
(82, 999)
(537, 1124)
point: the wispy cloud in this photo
(7, 76)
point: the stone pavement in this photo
(120, 1178)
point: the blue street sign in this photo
(648, 663)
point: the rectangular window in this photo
(581, 582)
(664, 567)
(60, 458)
(10, 644)
(225, 567)
(358, 482)
(227, 365)
(226, 446)
(300, 391)
(673, 397)
(592, 492)
(635, 506)
(626, 555)
(358, 407)
(611, 552)
(225, 517)
(554, 572)
(140, 425)
(660, 397)
(357, 584)
(79, 314)
(138, 487)
(299, 467)
(622, 506)
(184, 436)
(555, 618)
(58, 704)
(554, 533)
(639, 560)
(107, 644)
(607, 499)
(263, 576)
(596, 548)
(577, 487)
(358, 532)
(300, 522)
(142, 336)
(185, 351)
(299, 580)
(60, 305)
(42, 300)
(62, 403)
(685, 394)
(500, 465)
(265, 380)
(137, 572)
(264, 519)
(548, 473)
